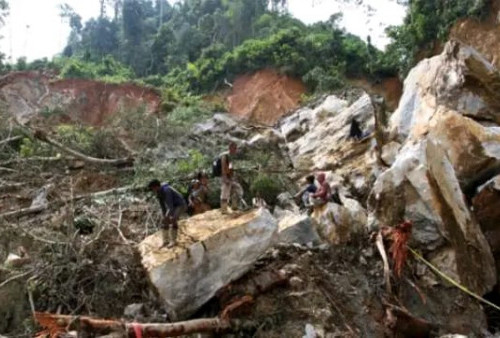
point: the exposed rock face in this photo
(265, 96)
(213, 250)
(483, 35)
(317, 139)
(443, 148)
(30, 93)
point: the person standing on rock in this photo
(230, 189)
(173, 205)
(355, 131)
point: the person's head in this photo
(195, 184)
(154, 185)
(310, 179)
(321, 177)
(203, 178)
(233, 148)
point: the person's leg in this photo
(305, 199)
(178, 212)
(225, 194)
(165, 235)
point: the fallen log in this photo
(10, 139)
(33, 159)
(24, 212)
(4, 187)
(61, 324)
(58, 203)
(42, 136)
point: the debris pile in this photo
(400, 251)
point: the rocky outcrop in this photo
(445, 146)
(27, 94)
(317, 139)
(482, 34)
(265, 96)
(213, 250)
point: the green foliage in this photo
(425, 23)
(266, 187)
(187, 115)
(108, 70)
(195, 46)
(30, 148)
(195, 162)
(75, 137)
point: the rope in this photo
(451, 280)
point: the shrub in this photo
(266, 187)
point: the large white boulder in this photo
(446, 149)
(213, 250)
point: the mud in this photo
(264, 97)
(92, 102)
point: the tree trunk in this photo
(57, 324)
(42, 136)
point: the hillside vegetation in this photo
(197, 46)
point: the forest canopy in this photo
(198, 45)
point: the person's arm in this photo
(300, 193)
(321, 193)
(169, 203)
(161, 200)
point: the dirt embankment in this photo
(391, 89)
(28, 94)
(265, 96)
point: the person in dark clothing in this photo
(173, 205)
(309, 189)
(355, 132)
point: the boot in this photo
(234, 204)
(165, 233)
(223, 207)
(173, 237)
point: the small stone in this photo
(291, 268)
(134, 311)
(296, 283)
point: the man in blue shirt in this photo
(173, 205)
(309, 189)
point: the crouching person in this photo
(323, 194)
(303, 196)
(173, 206)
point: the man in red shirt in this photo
(323, 194)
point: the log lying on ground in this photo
(24, 212)
(18, 160)
(58, 203)
(10, 139)
(42, 136)
(60, 324)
